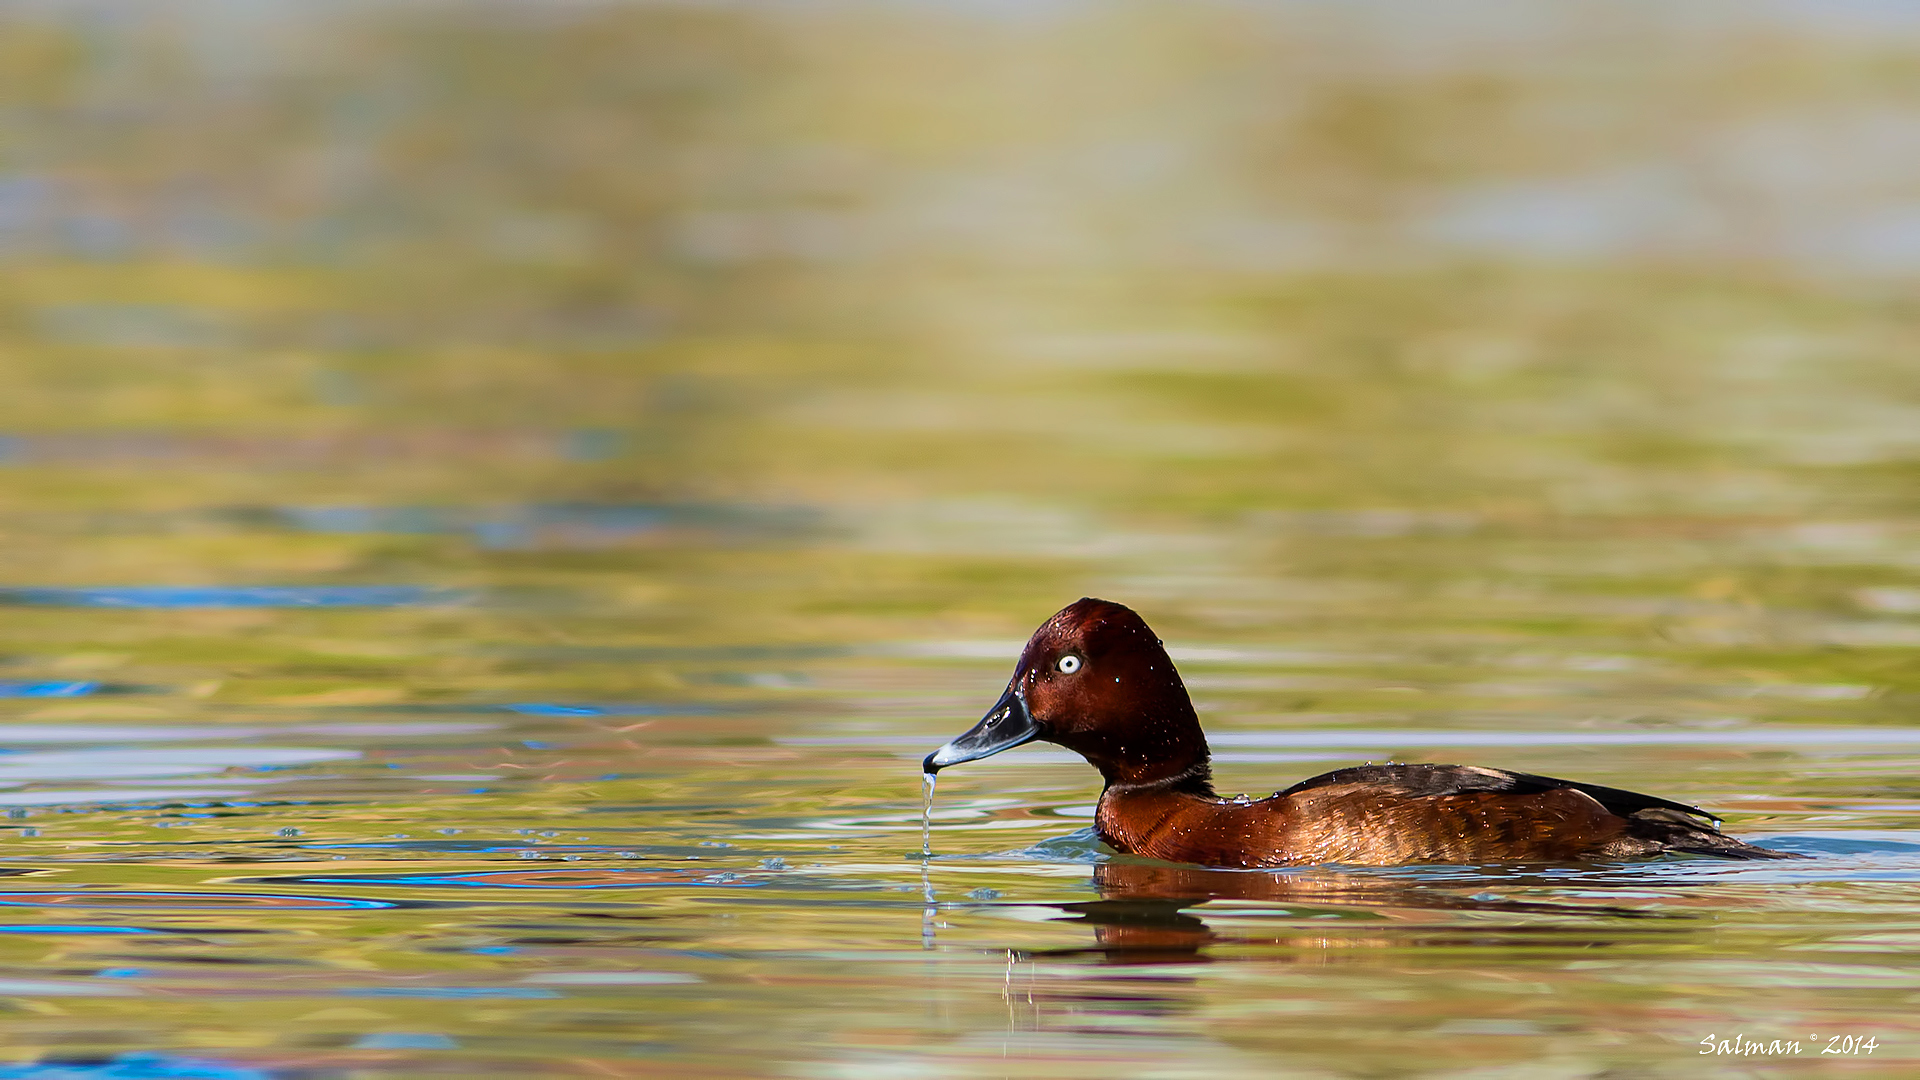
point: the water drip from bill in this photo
(928, 780)
(926, 862)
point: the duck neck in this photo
(1163, 750)
(1191, 773)
(1195, 779)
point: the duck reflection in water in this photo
(1155, 914)
(1146, 915)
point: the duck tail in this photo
(1673, 831)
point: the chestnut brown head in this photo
(1095, 680)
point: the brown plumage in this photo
(1096, 680)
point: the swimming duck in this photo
(1096, 680)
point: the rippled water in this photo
(497, 502)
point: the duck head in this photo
(1095, 680)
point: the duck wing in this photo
(1422, 780)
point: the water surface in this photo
(496, 504)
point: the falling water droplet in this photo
(926, 817)
(930, 909)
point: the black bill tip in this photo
(1005, 726)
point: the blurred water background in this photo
(496, 498)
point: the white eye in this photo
(1068, 664)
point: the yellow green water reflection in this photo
(497, 500)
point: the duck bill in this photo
(1005, 726)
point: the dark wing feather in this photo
(1422, 780)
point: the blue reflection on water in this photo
(558, 525)
(1078, 846)
(48, 689)
(557, 878)
(448, 846)
(450, 992)
(592, 444)
(54, 928)
(132, 1067)
(658, 653)
(256, 596)
(1842, 845)
(557, 708)
(545, 708)
(405, 1040)
(72, 899)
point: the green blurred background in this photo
(989, 304)
(1003, 279)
